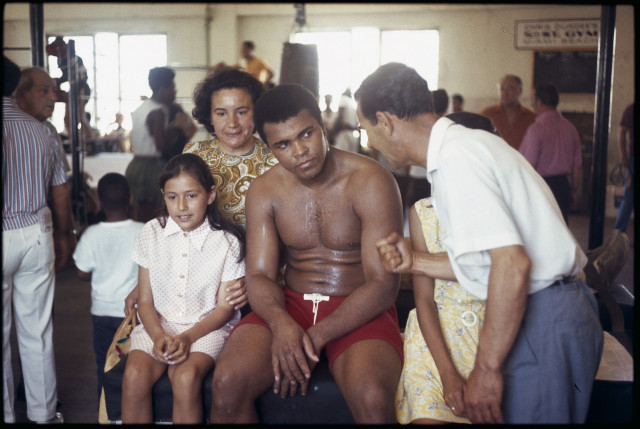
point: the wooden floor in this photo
(75, 360)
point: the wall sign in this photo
(563, 34)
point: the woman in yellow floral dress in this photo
(449, 318)
(224, 103)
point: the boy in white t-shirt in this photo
(103, 257)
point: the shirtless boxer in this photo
(327, 207)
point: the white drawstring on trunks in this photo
(316, 298)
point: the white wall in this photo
(477, 45)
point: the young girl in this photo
(441, 336)
(186, 259)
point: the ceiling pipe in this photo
(37, 34)
(207, 26)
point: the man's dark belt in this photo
(564, 280)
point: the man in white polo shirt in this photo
(541, 342)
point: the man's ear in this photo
(385, 121)
(18, 94)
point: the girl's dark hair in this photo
(195, 166)
(473, 121)
(228, 78)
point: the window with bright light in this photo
(117, 71)
(138, 55)
(346, 58)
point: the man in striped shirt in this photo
(31, 167)
(36, 96)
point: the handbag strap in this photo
(134, 317)
(130, 318)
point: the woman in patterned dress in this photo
(441, 335)
(224, 103)
(186, 259)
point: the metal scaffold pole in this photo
(601, 126)
(74, 134)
